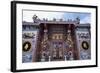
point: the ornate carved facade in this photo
(55, 41)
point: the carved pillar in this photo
(69, 45)
(44, 45)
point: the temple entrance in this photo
(57, 46)
(57, 37)
(57, 50)
(57, 43)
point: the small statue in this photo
(54, 19)
(70, 54)
(78, 20)
(43, 55)
(35, 18)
